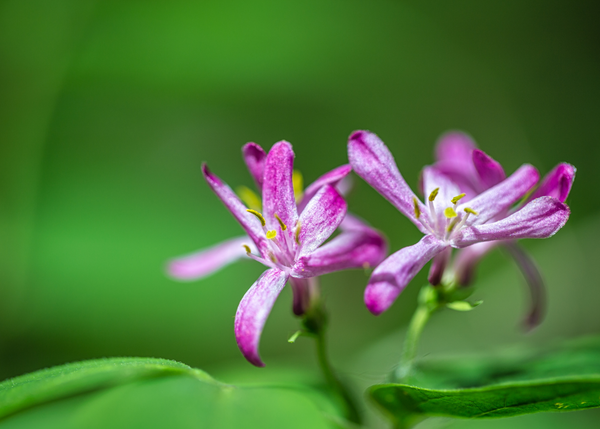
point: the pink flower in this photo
(445, 219)
(286, 237)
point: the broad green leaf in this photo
(145, 393)
(566, 378)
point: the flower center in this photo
(446, 224)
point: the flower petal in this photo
(372, 160)
(320, 218)
(432, 178)
(354, 248)
(557, 183)
(208, 261)
(331, 178)
(541, 218)
(301, 293)
(278, 189)
(253, 311)
(249, 222)
(255, 157)
(537, 289)
(393, 274)
(467, 259)
(489, 170)
(453, 153)
(498, 199)
(438, 266)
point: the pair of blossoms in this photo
(470, 205)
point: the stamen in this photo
(297, 235)
(258, 215)
(298, 184)
(271, 234)
(248, 197)
(281, 224)
(470, 211)
(433, 194)
(450, 213)
(272, 257)
(417, 209)
(451, 225)
(457, 198)
(247, 248)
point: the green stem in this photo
(315, 324)
(419, 319)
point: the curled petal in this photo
(498, 199)
(489, 170)
(438, 266)
(467, 259)
(541, 218)
(253, 311)
(355, 248)
(372, 160)
(557, 183)
(255, 157)
(301, 293)
(208, 261)
(249, 222)
(331, 178)
(278, 189)
(320, 218)
(392, 275)
(535, 282)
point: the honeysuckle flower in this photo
(287, 236)
(458, 157)
(444, 219)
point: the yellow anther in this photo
(434, 194)
(248, 250)
(297, 235)
(271, 234)
(281, 224)
(417, 209)
(298, 183)
(258, 215)
(450, 213)
(272, 258)
(470, 211)
(457, 198)
(452, 225)
(249, 198)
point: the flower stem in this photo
(315, 324)
(427, 305)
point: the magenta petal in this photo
(489, 170)
(537, 289)
(541, 218)
(467, 259)
(278, 189)
(255, 157)
(320, 218)
(392, 275)
(331, 178)
(438, 266)
(253, 311)
(557, 183)
(207, 261)
(372, 160)
(498, 199)
(354, 248)
(249, 222)
(454, 159)
(301, 293)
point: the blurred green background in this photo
(108, 108)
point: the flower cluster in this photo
(469, 205)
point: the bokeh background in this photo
(108, 108)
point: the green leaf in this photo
(463, 305)
(565, 378)
(144, 393)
